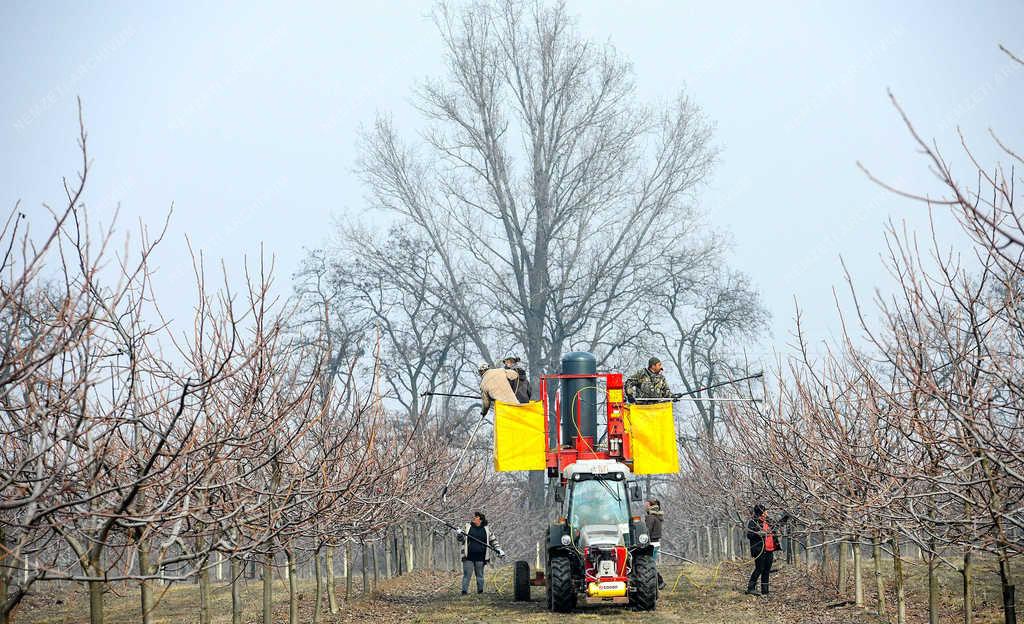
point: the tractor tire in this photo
(645, 583)
(521, 582)
(563, 591)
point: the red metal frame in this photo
(618, 445)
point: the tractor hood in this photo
(602, 535)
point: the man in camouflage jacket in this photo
(648, 383)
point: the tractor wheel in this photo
(563, 592)
(521, 582)
(645, 583)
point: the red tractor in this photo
(597, 548)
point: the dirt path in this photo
(694, 595)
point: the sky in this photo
(244, 117)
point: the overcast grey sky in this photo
(245, 117)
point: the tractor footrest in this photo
(607, 600)
(538, 580)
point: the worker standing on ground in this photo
(495, 385)
(764, 542)
(520, 386)
(475, 539)
(648, 383)
(654, 518)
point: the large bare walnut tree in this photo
(546, 189)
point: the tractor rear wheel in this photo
(521, 582)
(563, 592)
(645, 583)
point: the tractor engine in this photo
(605, 571)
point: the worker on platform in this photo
(520, 386)
(655, 516)
(476, 540)
(764, 543)
(495, 385)
(648, 383)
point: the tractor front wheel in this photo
(645, 583)
(562, 590)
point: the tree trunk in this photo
(1006, 580)
(387, 557)
(825, 546)
(268, 589)
(858, 576)
(711, 544)
(204, 592)
(901, 596)
(430, 550)
(348, 571)
(95, 599)
(373, 561)
(410, 562)
(933, 585)
(332, 595)
(876, 555)
(395, 554)
(968, 587)
(366, 572)
(235, 569)
(807, 551)
(318, 592)
(293, 593)
(145, 589)
(843, 554)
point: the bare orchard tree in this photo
(542, 184)
(700, 322)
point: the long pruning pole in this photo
(449, 394)
(723, 383)
(447, 524)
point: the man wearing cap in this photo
(495, 385)
(521, 385)
(648, 383)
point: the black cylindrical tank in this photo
(579, 395)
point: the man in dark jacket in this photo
(521, 385)
(476, 539)
(655, 516)
(764, 542)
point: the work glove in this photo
(677, 396)
(501, 553)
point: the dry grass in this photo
(696, 595)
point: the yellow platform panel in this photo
(519, 442)
(652, 430)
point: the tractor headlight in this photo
(643, 539)
(566, 540)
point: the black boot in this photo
(764, 590)
(752, 591)
(661, 581)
